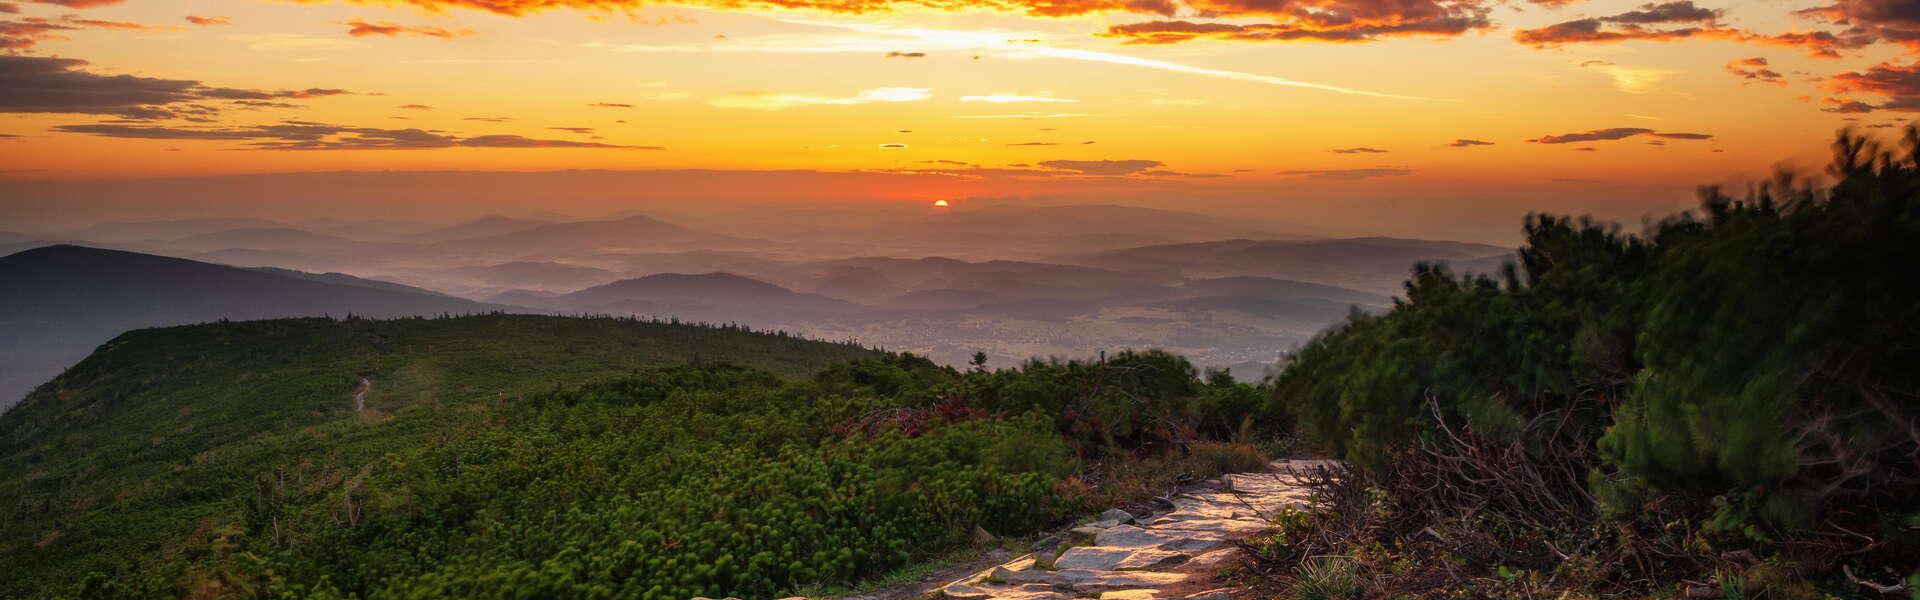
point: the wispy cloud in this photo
(1632, 80)
(878, 38)
(783, 101)
(1025, 116)
(1007, 98)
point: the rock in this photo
(982, 536)
(1128, 536)
(967, 591)
(1219, 594)
(1089, 580)
(1117, 516)
(1023, 577)
(1129, 595)
(1117, 559)
(998, 555)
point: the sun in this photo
(940, 204)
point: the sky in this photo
(1423, 110)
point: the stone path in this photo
(1168, 555)
(360, 395)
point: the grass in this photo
(1332, 578)
(148, 440)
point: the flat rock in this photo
(1117, 559)
(1147, 557)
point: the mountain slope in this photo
(61, 301)
(162, 433)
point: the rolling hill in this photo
(263, 238)
(61, 301)
(559, 239)
(1375, 265)
(483, 226)
(128, 457)
(711, 297)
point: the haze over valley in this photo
(1013, 281)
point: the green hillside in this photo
(547, 457)
(149, 440)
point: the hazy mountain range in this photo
(1013, 281)
(60, 302)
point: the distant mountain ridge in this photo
(716, 297)
(60, 301)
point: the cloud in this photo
(1845, 106)
(1755, 70)
(9, 8)
(488, 119)
(1681, 20)
(1036, 144)
(880, 38)
(610, 105)
(1005, 98)
(279, 42)
(1346, 174)
(1891, 21)
(82, 4)
(892, 146)
(1465, 143)
(514, 141)
(1024, 116)
(358, 27)
(25, 33)
(208, 21)
(38, 84)
(579, 130)
(897, 54)
(304, 135)
(1103, 167)
(1616, 133)
(1312, 20)
(1899, 85)
(1631, 80)
(1358, 150)
(783, 101)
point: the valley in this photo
(1016, 282)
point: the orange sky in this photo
(1408, 97)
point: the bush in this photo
(1740, 378)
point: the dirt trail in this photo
(360, 395)
(1166, 555)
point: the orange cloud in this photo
(1892, 21)
(1313, 20)
(304, 135)
(25, 33)
(208, 21)
(37, 84)
(1900, 85)
(1755, 70)
(1615, 133)
(1663, 23)
(362, 28)
(78, 3)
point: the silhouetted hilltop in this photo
(60, 301)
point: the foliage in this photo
(534, 457)
(1737, 379)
